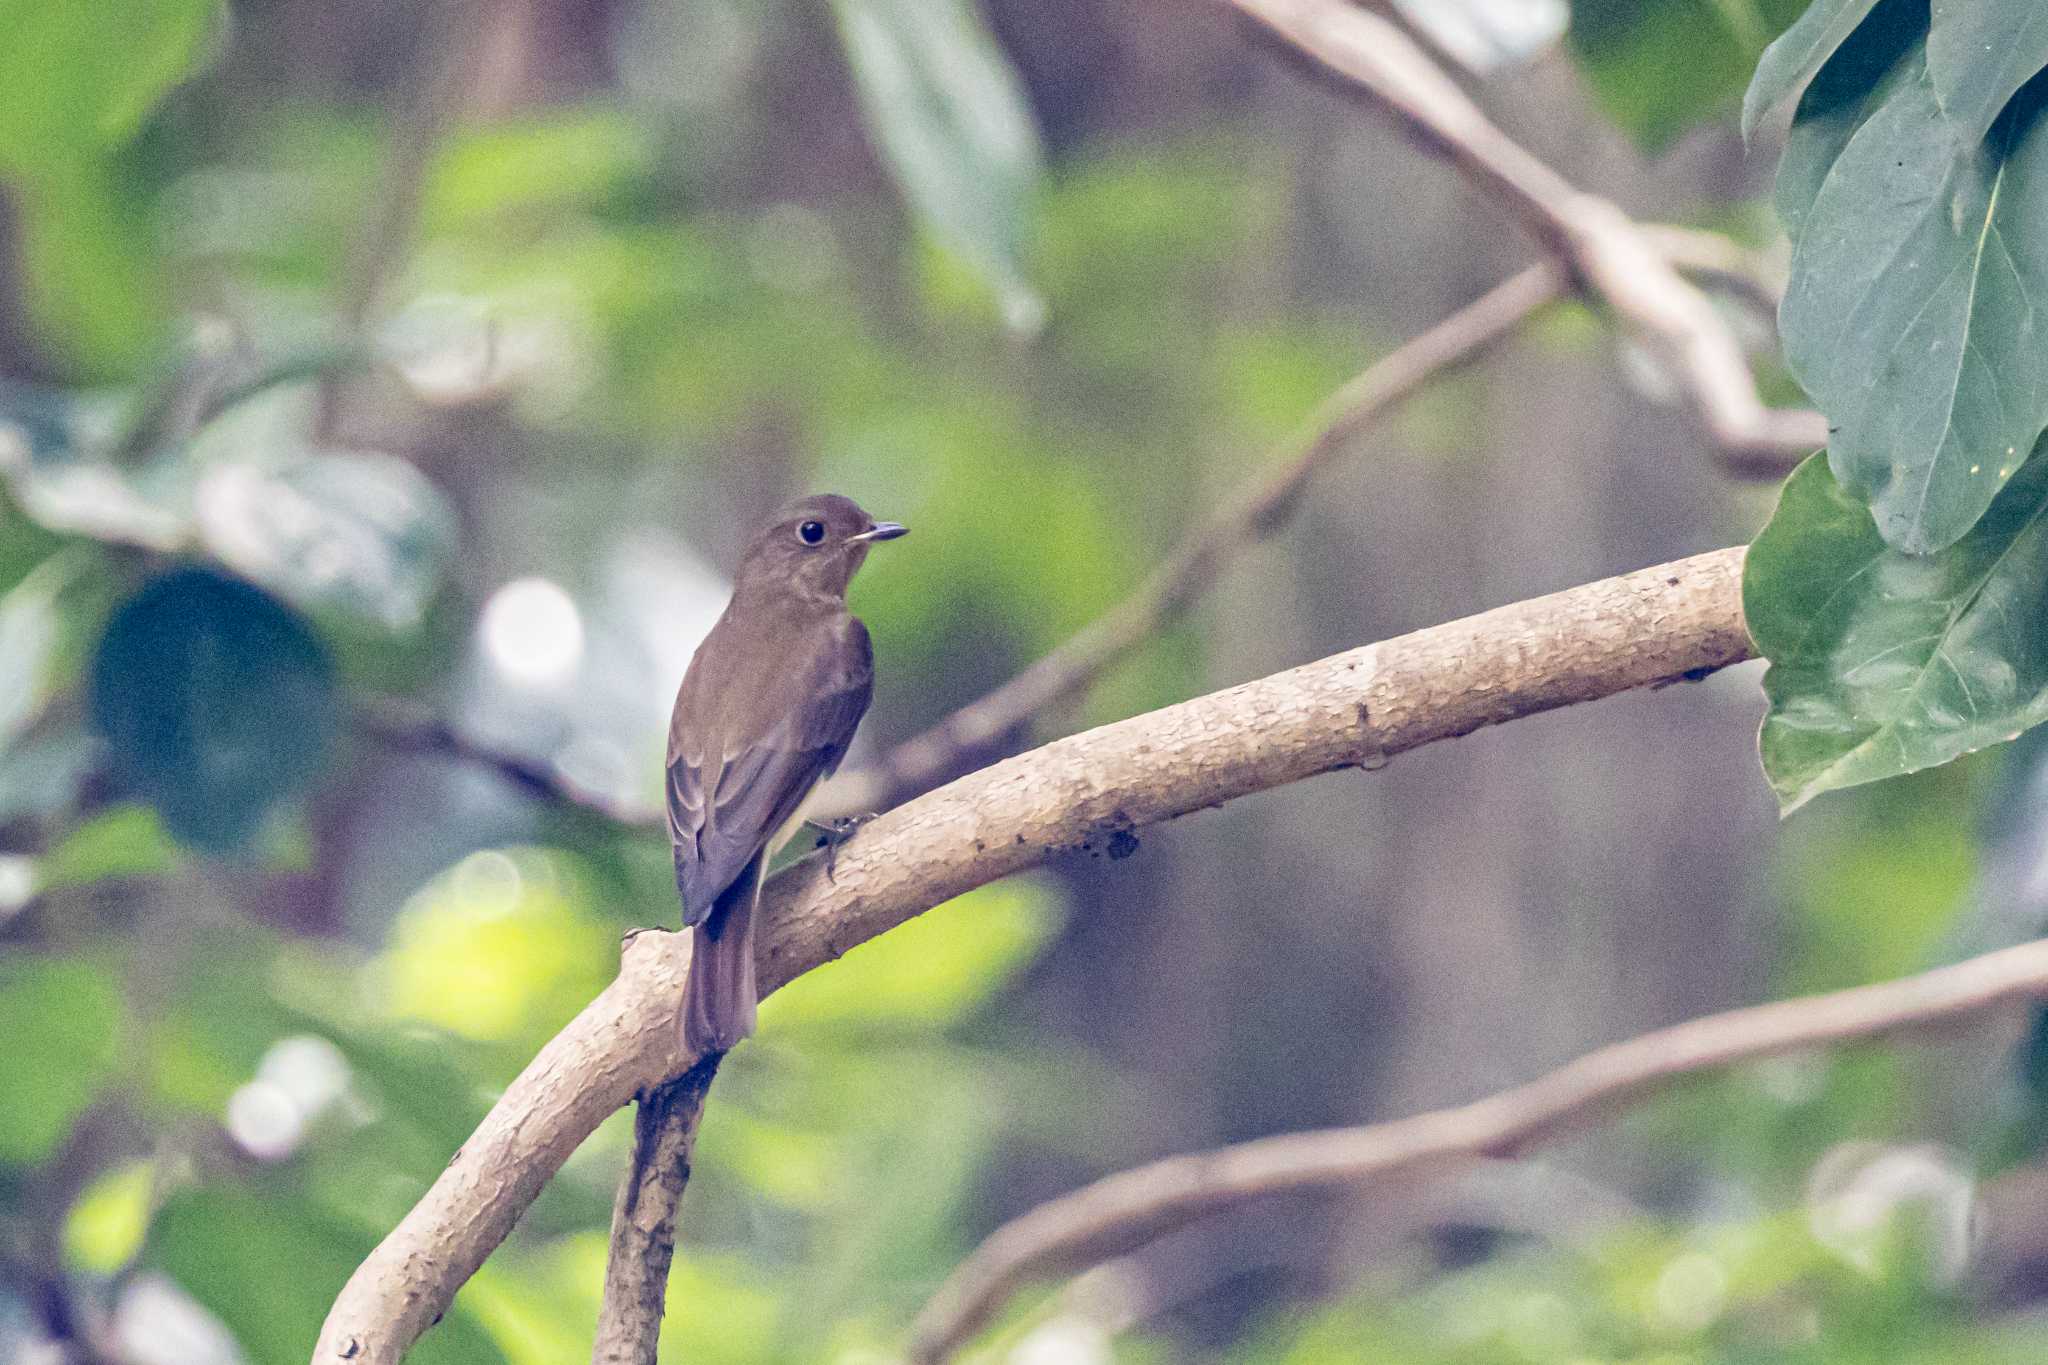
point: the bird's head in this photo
(814, 545)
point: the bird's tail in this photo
(720, 997)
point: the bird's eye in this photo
(811, 532)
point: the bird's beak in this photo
(882, 530)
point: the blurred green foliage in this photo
(229, 1063)
(1660, 67)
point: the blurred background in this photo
(385, 390)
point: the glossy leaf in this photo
(1882, 662)
(1980, 52)
(1911, 320)
(364, 534)
(46, 622)
(952, 124)
(1799, 52)
(58, 1016)
(52, 460)
(30, 630)
(1853, 84)
(215, 700)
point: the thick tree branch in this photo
(1134, 1206)
(1611, 254)
(643, 1241)
(1084, 792)
(1256, 511)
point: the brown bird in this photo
(765, 713)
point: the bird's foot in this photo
(834, 832)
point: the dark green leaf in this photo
(268, 1263)
(1800, 51)
(1882, 662)
(1910, 316)
(58, 1017)
(364, 534)
(1853, 84)
(1980, 52)
(952, 124)
(216, 703)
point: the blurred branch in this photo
(412, 729)
(1612, 256)
(1756, 276)
(1134, 1206)
(456, 31)
(1675, 622)
(1257, 511)
(643, 1240)
(76, 1324)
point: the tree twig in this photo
(1129, 1208)
(407, 727)
(444, 68)
(1610, 253)
(1087, 793)
(1257, 511)
(643, 1241)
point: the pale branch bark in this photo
(1758, 277)
(643, 1241)
(1256, 511)
(1124, 1210)
(1083, 793)
(1610, 253)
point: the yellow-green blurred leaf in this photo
(494, 948)
(930, 970)
(106, 1226)
(127, 841)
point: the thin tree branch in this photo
(1083, 793)
(644, 1218)
(445, 67)
(1255, 512)
(408, 728)
(1119, 1212)
(1611, 254)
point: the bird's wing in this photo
(720, 818)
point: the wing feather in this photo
(724, 806)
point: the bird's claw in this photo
(831, 834)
